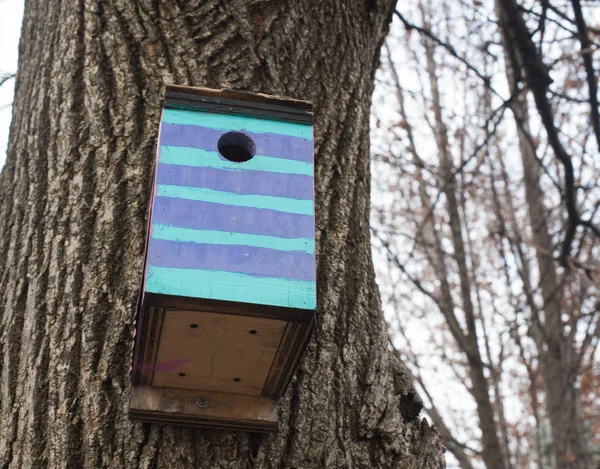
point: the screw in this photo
(202, 402)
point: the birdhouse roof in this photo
(238, 102)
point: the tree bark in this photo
(73, 202)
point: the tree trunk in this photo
(73, 202)
(556, 350)
(492, 453)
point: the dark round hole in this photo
(253, 332)
(194, 326)
(237, 380)
(236, 146)
(181, 374)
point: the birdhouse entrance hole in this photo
(236, 147)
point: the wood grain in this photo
(229, 101)
(149, 322)
(216, 352)
(293, 343)
(223, 410)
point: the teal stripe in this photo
(186, 235)
(236, 122)
(218, 285)
(183, 156)
(281, 204)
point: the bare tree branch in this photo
(427, 32)
(538, 82)
(5, 78)
(586, 53)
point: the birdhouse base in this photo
(218, 410)
(217, 365)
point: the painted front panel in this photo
(233, 231)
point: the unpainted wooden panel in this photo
(216, 352)
(208, 409)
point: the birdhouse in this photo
(228, 294)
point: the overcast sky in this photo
(11, 15)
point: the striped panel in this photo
(291, 186)
(230, 286)
(206, 138)
(233, 231)
(297, 265)
(185, 235)
(281, 204)
(194, 157)
(230, 122)
(198, 215)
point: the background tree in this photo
(73, 200)
(489, 208)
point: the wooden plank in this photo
(220, 410)
(229, 307)
(294, 341)
(216, 352)
(193, 104)
(238, 95)
(237, 102)
(282, 358)
(148, 329)
(225, 106)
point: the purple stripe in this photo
(210, 216)
(293, 186)
(205, 138)
(296, 265)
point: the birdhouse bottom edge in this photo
(237, 359)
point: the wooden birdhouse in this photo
(228, 294)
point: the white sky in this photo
(11, 15)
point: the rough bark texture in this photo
(73, 201)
